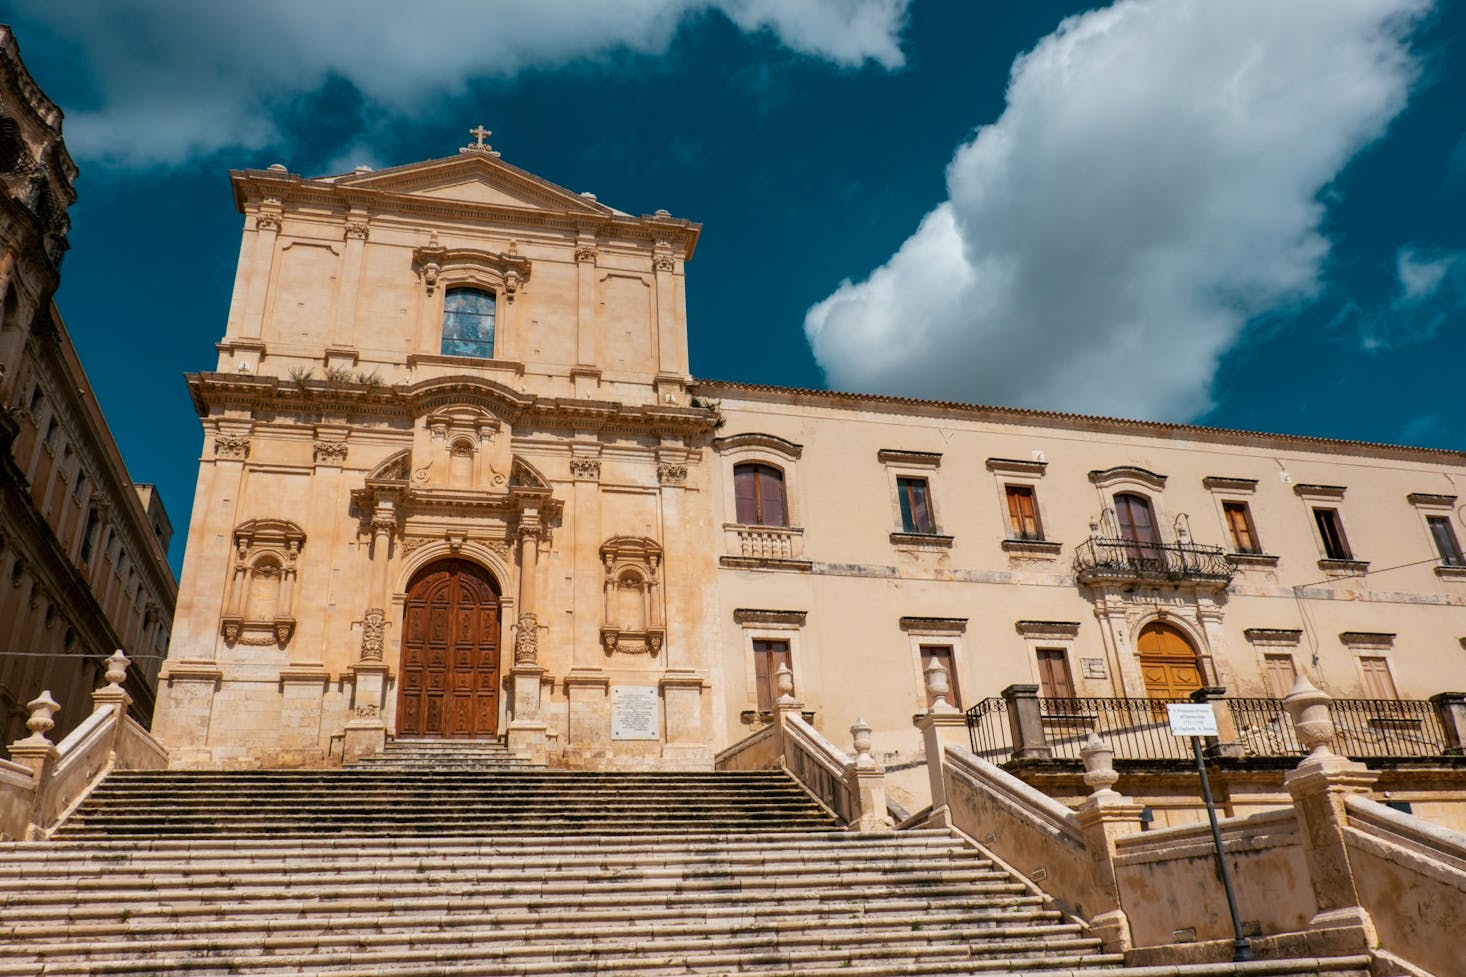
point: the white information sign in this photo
(634, 713)
(1192, 719)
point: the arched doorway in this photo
(1168, 662)
(449, 683)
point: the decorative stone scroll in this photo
(669, 474)
(373, 628)
(588, 469)
(664, 262)
(330, 452)
(587, 254)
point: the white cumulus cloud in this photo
(1152, 184)
(1430, 291)
(173, 79)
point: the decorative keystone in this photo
(1099, 765)
(1308, 707)
(784, 683)
(938, 685)
(860, 735)
(43, 708)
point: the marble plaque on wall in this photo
(634, 713)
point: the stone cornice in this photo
(1224, 483)
(1280, 637)
(1017, 466)
(758, 615)
(911, 459)
(755, 439)
(1427, 500)
(1311, 491)
(733, 390)
(1127, 473)
(933, 625)
(211, 391)
(1047, 629)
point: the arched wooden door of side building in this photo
(449, 683)
(1168, 662)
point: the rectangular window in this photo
(1023, 513)
(1054, 678)
(1378, 683)
(1445, 541)
(1331, 531)
(916, 511)
(942, 655)
(1280, 674)
(1240, 528)
(89, 538)
(767, 657)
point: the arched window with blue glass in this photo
(468, 323)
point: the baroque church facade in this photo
(458, 481)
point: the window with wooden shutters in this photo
(942, 655)
(916, 512)
(1137, 527)
(1281, 674)
(1054, 678)
(1378, 682)
(1240, 528)
(1023, 513)
(1446, 544)
(759, 494)
(768, 655)
(1331, 533)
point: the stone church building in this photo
(457, 481)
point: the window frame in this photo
(907, 513)
(758, 469)
(1019, 490)
(1448, 544)
(1440, 510)
(769, 625)
(1338, 549)
(493, 341)
(1231, 507)
(946, 632)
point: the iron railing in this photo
(1138, 729)
(988, 730)
(1116, 558)
(1133, 727)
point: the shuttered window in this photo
(759, 495)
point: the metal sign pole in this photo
(1241, 946)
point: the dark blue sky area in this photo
(804, 174)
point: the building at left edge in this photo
(83, 549)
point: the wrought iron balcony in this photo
(1116, 559)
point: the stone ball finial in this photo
(938, 685)
(117, 667)
(1308, 707)
(43, 710)
(1099, 764)
(662, 213)
(784, 682)
(278, 168)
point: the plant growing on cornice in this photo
(716, 406)
(301, 375)
(372, 379)
(338, 374)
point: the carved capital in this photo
(267, 222)
(373, 627)
(672, 474)
(234, 447)
(330, 452)
(585, 468)
(357, 229)
(664, 262)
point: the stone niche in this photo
(259, 607)
(633, 621)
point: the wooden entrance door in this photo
(450, 653)
(1167, 662)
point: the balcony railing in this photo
(1116, 558)
(765, 542)
(1138, 729)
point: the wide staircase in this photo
(421, 865)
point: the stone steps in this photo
(408, 867)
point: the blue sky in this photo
(1244, 213)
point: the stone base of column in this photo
(869, 786)
(366, 731)
(528, 738)
(364, 737)
(940, 730)
(524, 683)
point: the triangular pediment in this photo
(475, 179)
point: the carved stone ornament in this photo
(367, 710)
(357, 229)
(284, 631)
(526, 640)
(672, 474)
(664, 262)
(586, 253)
(586, 468)
(267, 222)
(430, 275)
(411, 544)
(373, 626)
(330, 452)
(233, 628)
(234, 447)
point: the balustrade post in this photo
(940, 726)
(1025, 719)
(784, 705)
(1105, 816)
(1226, 743)
(1451, 707)
(1318, 786)
(866, 780)
(38, 753)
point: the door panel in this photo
(449, 683)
